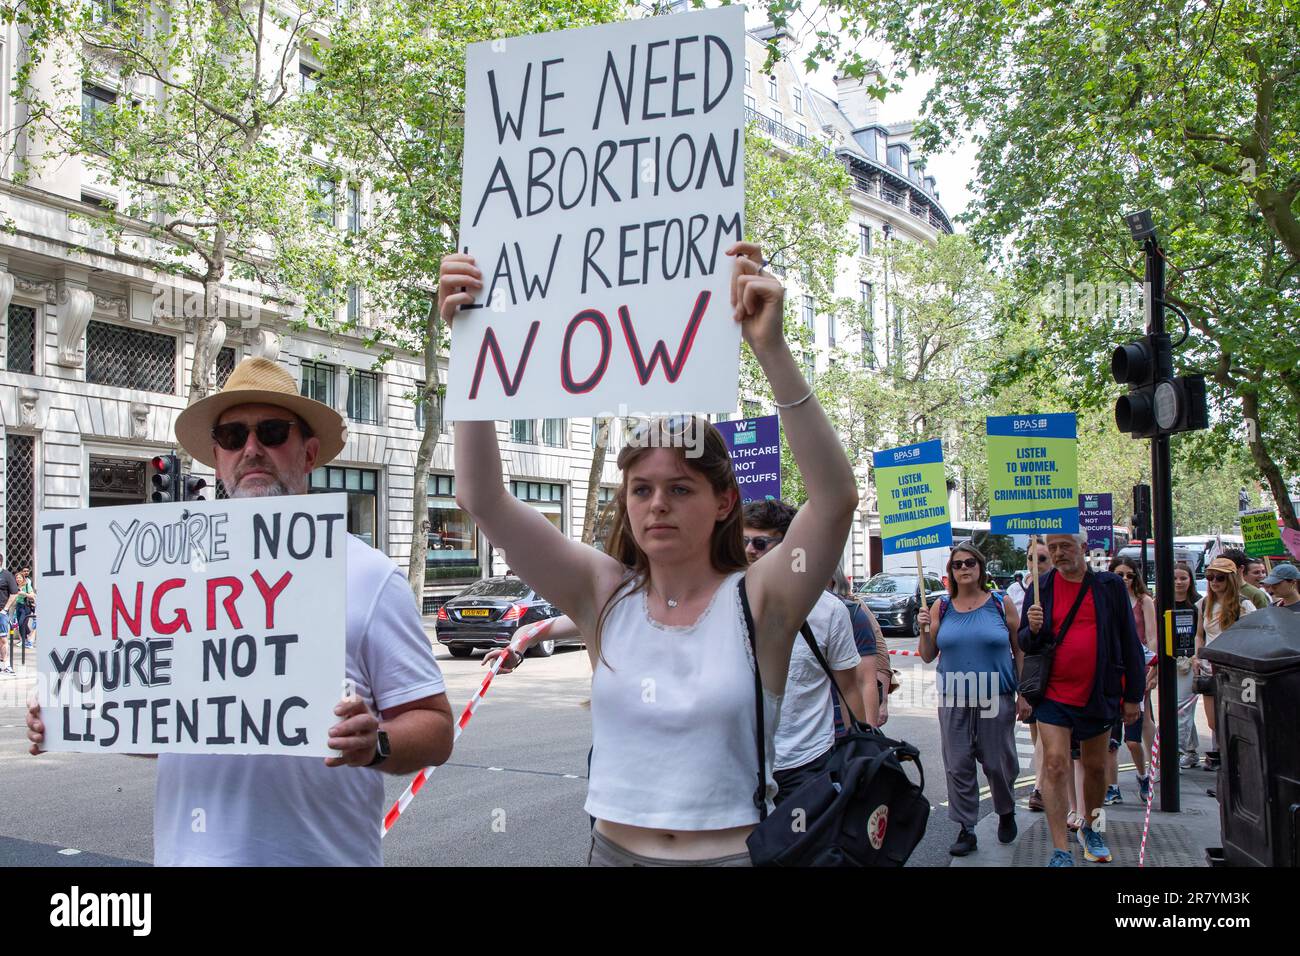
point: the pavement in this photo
(1173, 839)
(513, 792)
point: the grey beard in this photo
(276, 488)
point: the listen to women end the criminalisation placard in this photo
(1033, 474)
(603, 183)
(204, 627)
(912, 489)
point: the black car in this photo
(488, 614)
(892, 598)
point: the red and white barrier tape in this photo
(423, 776)
(905, 653)
(1152, 770)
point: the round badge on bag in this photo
(877, 824)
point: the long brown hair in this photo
(727, 543)
(1230, 613)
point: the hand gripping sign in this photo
(202, 627)
(603, 182)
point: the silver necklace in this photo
(671, 602)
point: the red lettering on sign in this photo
(672, 368)
(79, 606)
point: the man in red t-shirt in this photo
(1079, 701)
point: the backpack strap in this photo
(760, 795)
(806, 630)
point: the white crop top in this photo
(672, 719)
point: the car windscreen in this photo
(890, 584)
(497, 589)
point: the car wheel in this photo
(542, 649)
(460, 651)
(915, 627)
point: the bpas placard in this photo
(603, 182)
(203, 627)
(1033, 474)
(1097, 520)
(912, 489)
(755, 448)
(1259, 530)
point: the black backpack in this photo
(862, 810)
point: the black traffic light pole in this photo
(1162, 500)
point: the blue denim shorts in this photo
(1082, 726)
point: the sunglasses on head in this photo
(760, 542)
(959, 563)
(671, 425)
(271, 433)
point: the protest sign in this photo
(755, 448)
(1259, 530)
(1033, 474)
(1097, 520)
(912, 489)
(603, 182)
(202, 627)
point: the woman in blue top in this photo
(974, 638)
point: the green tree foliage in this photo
(206, 136)
(1084, 110)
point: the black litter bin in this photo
(1257, 715)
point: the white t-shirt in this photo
(806, 729)
(271, 810)
(1016, 595)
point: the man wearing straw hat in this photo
(264, 438)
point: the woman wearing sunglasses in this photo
(674, 768)
(1139, 734)
(1186, 598)
(1221, 608)
(974, 638)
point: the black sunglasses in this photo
(760, 542)
(1126, 575)
(959, 563)
(271, 433)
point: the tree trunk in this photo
(1263, 460)
(203, 332)
(415, 568)
(593, 478)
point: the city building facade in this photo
(97, 346)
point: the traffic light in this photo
(1142, 511)
(192, 487)
(166, 478)
(1157, 403)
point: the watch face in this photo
(383, 744)
(1166, 405)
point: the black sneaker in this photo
(1007, 828)
(964, 843)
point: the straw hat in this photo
(259, 381)
(1223, 566)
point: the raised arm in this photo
(567, 573)
(785, 585)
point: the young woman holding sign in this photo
(674, 769)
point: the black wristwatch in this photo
(382, 750)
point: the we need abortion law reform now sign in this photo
(604, 180)
(203, 627)
(912, 490)
(1033, 474)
